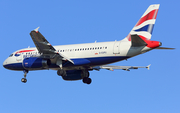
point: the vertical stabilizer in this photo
(144, 26)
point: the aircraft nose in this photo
(5, 64)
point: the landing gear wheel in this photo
(87, 80)
(61, 72)
(24, 80)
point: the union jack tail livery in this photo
(144, 26)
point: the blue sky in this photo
(79, 21)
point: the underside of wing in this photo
(43, 46)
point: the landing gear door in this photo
(116, 48)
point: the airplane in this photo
(73, 62)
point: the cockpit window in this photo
(11, 55)
(17, 55)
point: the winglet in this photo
(36, 29)
(148, 67)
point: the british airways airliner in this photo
(73, 62)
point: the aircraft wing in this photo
(44, 47)
(126, 68)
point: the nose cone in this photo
(5, 64)
(12, 64)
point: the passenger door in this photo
(116, 48)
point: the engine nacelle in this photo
(36, 63)
(73, 75)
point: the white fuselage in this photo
(98, 53)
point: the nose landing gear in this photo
(24, 80)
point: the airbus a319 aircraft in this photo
(73, 62)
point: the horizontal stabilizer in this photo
(126, 68)
(137, 41)
(164, 48)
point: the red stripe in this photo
(129, 37)
(149, 16)
(24, 51)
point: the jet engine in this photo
(35, 63)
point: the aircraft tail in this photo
(144, 26)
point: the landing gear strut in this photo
(24, 80)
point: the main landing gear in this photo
(87, 80)
(61, 72)
(24, 80)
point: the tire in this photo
(89, 81)
(85, 79)
(24, 80)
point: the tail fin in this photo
(144, 26)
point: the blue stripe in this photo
(148, 28)
(80, 61)
(91, 62)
